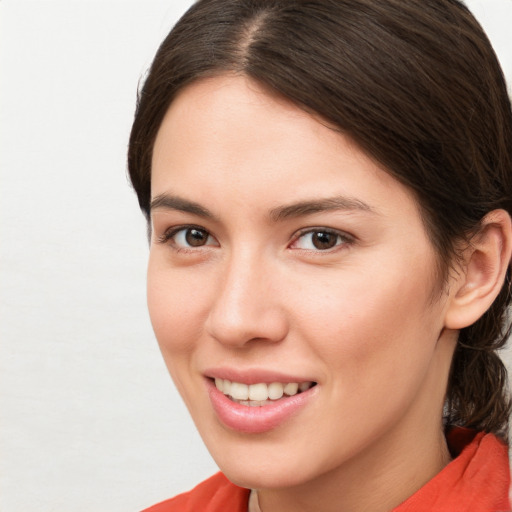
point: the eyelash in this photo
(342, 238)
(169, 237)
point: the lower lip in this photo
(255, 420)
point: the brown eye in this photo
(196, 237)
(189, 238)
(323, 240)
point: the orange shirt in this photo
(476, 480)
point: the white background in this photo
(89, 419)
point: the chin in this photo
(267, 464)
(250, 477)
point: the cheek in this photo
(174, 306)
(370, 322)
(175, 309)
(376, 343)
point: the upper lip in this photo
(254, 375)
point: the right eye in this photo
(189, 238)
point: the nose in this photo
(246, 307)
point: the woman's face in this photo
(283, 258)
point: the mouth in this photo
(260, 394)
(268, 401)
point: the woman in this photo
(328, 192)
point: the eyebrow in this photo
(170, 202)
(299, 209)
(304, 208)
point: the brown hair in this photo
(415, 83)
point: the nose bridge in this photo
(245, 308)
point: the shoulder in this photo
(476, 480)
(216, 494)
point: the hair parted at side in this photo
(415, 83)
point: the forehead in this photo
(228, 137)
(227, 108)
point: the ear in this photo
(482, 272)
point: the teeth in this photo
(253, 403)
(291, 388)
(258, 392)
(257, 395)
(303, 386)
(275, 391)
(239, 391)
(219, 383)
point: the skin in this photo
(359, 318)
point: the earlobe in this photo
(482, 272)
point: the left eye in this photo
(319, 240)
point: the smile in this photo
(261, 406)
(259, 394)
